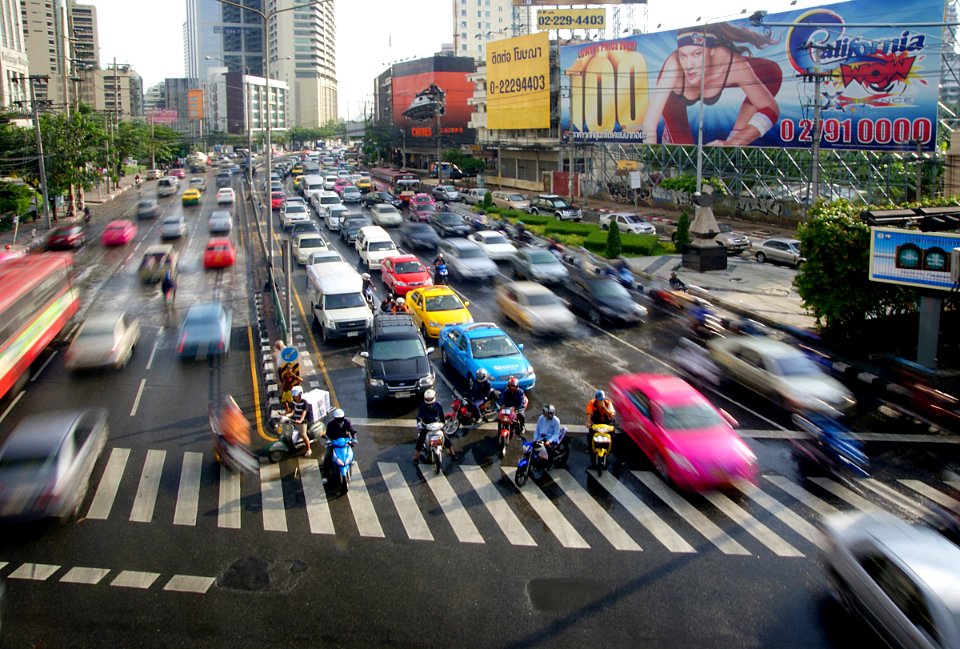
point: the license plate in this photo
(403, 395)
(350, 334)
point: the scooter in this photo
(622, 275)
(540, 456)
(507, 427)
(461, 414)
(236, 458)
(283, 448)
(342, 460)
(831, 445)
(601, 440)
(440, 274)
(434, 444)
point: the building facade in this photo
(475, 22)
(117, 90)
(46, 34)
(14, 64)
(84, 36)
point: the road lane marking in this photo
(189, 584)
(364, 514)
(954, 483)
(89, 576)
(34, 571)
(12, 404)
(644, 515)
(136, 401)
(43, 367)
(228, 504)
(564, 532)
(935, 495)
(590, 508)
(153, 352)
(315, 497)
(707, 528)
(454, 510)
(258, 416)
(846, 494)
(188, 495)
(787, 516)
(146, 498)
(822, 507)
(509, 524)
(109, 483)
(271, 498)
(135, 579)
(753, 527)
(410, 515)
(895, 497)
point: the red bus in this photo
(394, 181)
(37, 299)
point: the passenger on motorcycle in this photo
(513, 397)
(430, 412)
(480, 392)
(297, 410)
(387, 305)
(338, 428)
(600, 410)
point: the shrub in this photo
(682, 235)
(641, 245)
(530, 219)
(566, 227)
(487, 201)
(613, 249)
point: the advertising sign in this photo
(417, 83)
(518, 82)
(912, 258)
(571, 19)
(195, 104)
(878, 90)
(554, 3)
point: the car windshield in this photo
(426, 207)
(354, 223)
(691, 416)
(312, 243)
(494, 239)
(471, 253)
(329, 200)
(444, 303)
(343, 301)
(296, 208)
(793, 365)
(351, 188)
(218, 247)
(418, 228)
(607, 288)
(541, 299)
(396, 350)
(409, 267)
(493, 347)
(557, 202)
(175, 221)
(724, 227)
(633, 218)
(542, 257)
(381, 245)
(26, 458)
(97, 328)
(147, 204)
(795, 247)
(450, 218)
(516, 197)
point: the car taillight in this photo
(183, 341)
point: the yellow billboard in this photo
(518, 82)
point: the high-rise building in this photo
(13, 55)
(477, 21)
(84, 37)
(302, 45)
(46, 34)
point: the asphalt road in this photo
(172, 552)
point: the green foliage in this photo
(467, 163)
(567, 227)
(834, 282)
(530, 219)
(640, 245)
(682, 235)
(487, 201)
(15, 198)
(614, 248)
(687, 184)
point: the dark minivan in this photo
(396, 361)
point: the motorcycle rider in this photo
(550, 432)
(399, 305)
(339, 427)
(430, 412)
(480, 392)
(297, 410)
(367, 288)
(676, 283)
(513, 397)
(387, 305)
(600, 410)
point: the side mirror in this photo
(430, 350)
(466, 303)
(364, 354)
(520, 346)
(729, 418)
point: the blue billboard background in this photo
(879, 85)
(887, 244)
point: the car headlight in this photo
(397, 282)
(375, 383)
(426, 381)
(528, 372)
(434, 325)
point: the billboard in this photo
(518, 82)
(553, 3)
(195, 104)
(571, 19)
(912, 258)
(431, 78)
(879, 85)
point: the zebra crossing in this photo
(633, 512)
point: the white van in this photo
(374, 244)
(336, 300)
(322, 200)
(310, 185)
(168, 186)
(330, 181)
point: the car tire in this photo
(558, 217)
(661, 469)
(604, 226)
(443, 357)
(761, 257)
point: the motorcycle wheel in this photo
(451, 426)
(503, 445)
(345, 482)
(438, 462)
(601, 464)
(276, 456)
(523, 472)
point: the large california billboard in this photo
(413, 82)
(879, 83)
(518, 82)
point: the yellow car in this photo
(191, 197)
(435, 307)
(364, 184)
(296, 181)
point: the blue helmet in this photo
(599, 395)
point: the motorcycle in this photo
(434, 444)
(370, 297)
(622, 275)
(284, 448)
(601, 439)
(507, 427)
(461, 415)
(440, 274)
(235, 457)
(539, 456)
(341, 460)
(831, 445)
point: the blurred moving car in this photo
(602, 300)
(225, 196)
(104, 339)
(497, 246)
(305, 244)
(192, 197)
(415, 236)
(900, 577)
(435, 307)
(778, 250)
(627, 222)
(173, 227)
(450, 224)
(422, 212)
(148, 208)
(469, 347)
(690, 443)
(118, 233)
(535, 308)
(156, 261)
(551, 204)
(153, 174)
(220, 222)
(510, 200)
(350, 194)
(276, 200)
(199, 183)
(219, 253)
(205, 331)
(466, 260)
(66, 237)
(376, 197)
(539, 265)
(780, 372)
(403, 273)
(386, 215)
(177, 172)
(446, 193)
(47, 461)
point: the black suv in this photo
(396, 362)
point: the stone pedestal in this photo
(704, 254)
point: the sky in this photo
(370, 35)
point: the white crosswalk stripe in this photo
(935, 495)
(789, 518)
(271, 499)
(816, 504)
(109, 483)
(548, 513)
(363, 512)
(146, 499)
(707, 528)
(753, 527)
(228, 505)
(590, 508)
(318, 511)
(892, 495)
(508, 522)
(644, 515)
(407, 509)
(846, 494)
(458, 517)
(188, 495)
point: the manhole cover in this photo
(254, 574)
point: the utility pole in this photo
(43, 169)
(817, 109)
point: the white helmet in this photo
(339, 414)
(296, 391)
(365, 276)
(429, 396)
(481, 374)
(401, 301)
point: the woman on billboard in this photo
(716, 52)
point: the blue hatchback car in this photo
(469, 347)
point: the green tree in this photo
(15, 199)
(69, 144)
(687, 183)
(614, 247)
(467, 163)
(487, 200)
(682, 236)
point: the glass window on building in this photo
(253, 39)
(463, 48)
(232, 41)
(230, 14)
(463, 12)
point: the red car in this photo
(690, 442)
(118, 233)
(178, 172)
(422, 212)
(276, 201)
(421, 199)
(404, 273)
(66, 237)
(220, 253)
